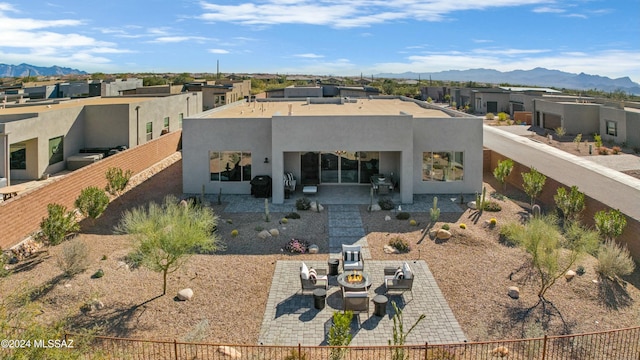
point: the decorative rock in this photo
(432, 233)
(443, 234)
(122, 264)
(67, 285)
(387, 218)
(471, 204)
(375, 207)
(185, 294)
(183, 203)
(570, 275)
(313, 249)
(264, 234)
(514, 292)
(230, 352)
(315, 206)
(390, 250)
(274, 232)
(98, 305)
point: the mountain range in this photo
(534, 77)
(32, 70)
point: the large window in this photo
(180, 117)
(56, 150)
(165, 128)
(612, 128)
(18, 157)
(149, 131)
(230, 165)
(443, 166)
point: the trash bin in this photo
(319, 296)
(380, 303)
(333, 266)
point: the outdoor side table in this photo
(319, 296)
(333, 266)
(380, 303)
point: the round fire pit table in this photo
(362, 285)
(380, 303)
(319, 296)
(333, 266)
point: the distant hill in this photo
(31, 70)
(534, 77)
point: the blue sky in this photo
(324, 37)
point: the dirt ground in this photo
(473, 270)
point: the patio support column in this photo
(406, 177)
(4, 157)
(277, 171)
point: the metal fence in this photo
(619, 344)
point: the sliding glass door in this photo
(340, 167)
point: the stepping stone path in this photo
(345, 227)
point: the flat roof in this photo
(267, 109)
(66, 104)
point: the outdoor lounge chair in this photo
(399, 280)
(352, 258)
(310, 281)
(356, 301)
(289, 181)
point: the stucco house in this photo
(332, 142)
(38, 138)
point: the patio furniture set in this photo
(354, 282)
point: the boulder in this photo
(443, 234)
(432, 233)
(387, 218)
(390, 250)
(264, 234)
(513, 292)
(471, 204)
(98, 305)
(183, 203)
(375, 207)
(313, 249)
(229, 351)
(185, 294)
(316, 207)
(274, 232)
(570, 274)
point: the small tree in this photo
(533, 183)
(117, 180)
(58, 224)
(92, 202)
(569, 203)
(340, 333)
(399, 336)
(167, 234)
(502, 171)
(610, 224)
(597, 140)
(577, 140)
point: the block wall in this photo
(21, 216)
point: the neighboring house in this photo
(224, 92)
(332, 141)
(315, 91)
(116, 87)
(481, 100)
(37, 139)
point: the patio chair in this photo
(311, 279)
(289, 181)
(399, 280)
(352, 258)
(356, 301)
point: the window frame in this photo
(149, 130)
(431, 170)
(242, 171)
(615, 127)
(58, 155)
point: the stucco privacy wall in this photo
(630, 234)
(21, 216)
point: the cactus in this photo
(267, 217)
(435, 211)
(484, 194)
(477, 200)
(220, 196)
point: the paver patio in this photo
(290, 317)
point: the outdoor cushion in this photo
(351, 256)
(408, 274)
(304, 272)
(399, 274)
(313, 275)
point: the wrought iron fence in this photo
(615, 344)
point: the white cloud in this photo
(177, 39)
(548, 9)
(581, 16)
(309, 56)
(218, 51)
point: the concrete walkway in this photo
(345, 227)
(290, 317)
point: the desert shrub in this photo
(74, 258)
(134, 259)
(58, 224)
(403, 216)
(602, 150)
(3, 262)
(503, 116)
(489, 116)
(575, 233)
(294, 215)
(294, 355)
(580, 270)
(98, 274)
(560, 131)
(597, 140)
(509, 233)
(303, 203)
(446, 227)
(463, 226)
(412, 222)
(399, 244)
(439, 354)
(610, 224)
(284, 220)
(296, 246)
(614, 260)
(616, 150)
(234, 233)
(491, 206)
(117, 180)
(258, 228)
(386, 203)
(92, 202)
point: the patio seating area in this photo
(291, 317)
